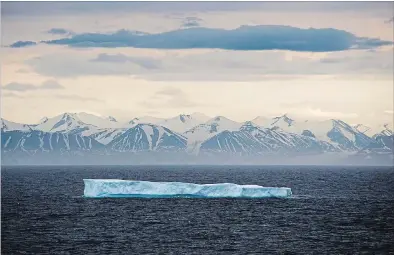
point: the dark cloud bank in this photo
(263, 37)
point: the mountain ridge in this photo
(282, 135)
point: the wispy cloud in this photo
(57, 96)
(169, 97)
(148, 63)
(216, 65)
(59, 31)
(78, 98)
(191, 22)
(244, 38)
(11, 94)
(20, 87)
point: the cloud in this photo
(317, 112)
(169, 97)
(78, 98)
(170, 92)
(389, 21)
(307, 110)
(85, 8)
(11, 94)
(58, 96)
(59, 31)
(21, 44)
(191, 22)
(147, 63)
(14, 86)
(216, 65)
(244, 38)
(51, 84)
(20, 87)
(389, 112)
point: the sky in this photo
(311, 60)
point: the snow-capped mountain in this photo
(9, 126)
(362, 128)
(385, 130)
(76, 123)
(143, 120)
(202, 132)
(184, 122)
(263, 121)
(371, 131)
(223, 123)
(337, 132)
(39, 141)
(65, 123)
(148, 137)
(282, 121)
(43, 120)
(251, 139)
(112, 119)
(384, 140)
(106, 135)
(333, 131)
(283, 135)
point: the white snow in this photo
(198, 134)
(224, 123)
(362, 128)
(69, 121)
(148, 130)
(7, 142)
(377, 129)
(9, 126)
(183, 122)
(143, 120)
(317, 127)
(131, 188)
(43, 120)
(97, 121)
(106, 135)
(263, 121)
(200, 117)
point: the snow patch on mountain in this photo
(39, 141)
(251, 139)
(333, 131)
(106, 135)
(110, 118)
(9, 126)
(184, 122)
(373, 130)
(198, 134)
(143, 120)
(148, 137)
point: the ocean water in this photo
(334, 210)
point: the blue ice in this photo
(96, 188)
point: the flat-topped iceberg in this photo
(96, 188)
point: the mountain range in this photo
(194, 138)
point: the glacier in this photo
(99, 188)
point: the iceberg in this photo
(98, 188)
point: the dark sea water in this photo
(335, 210)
